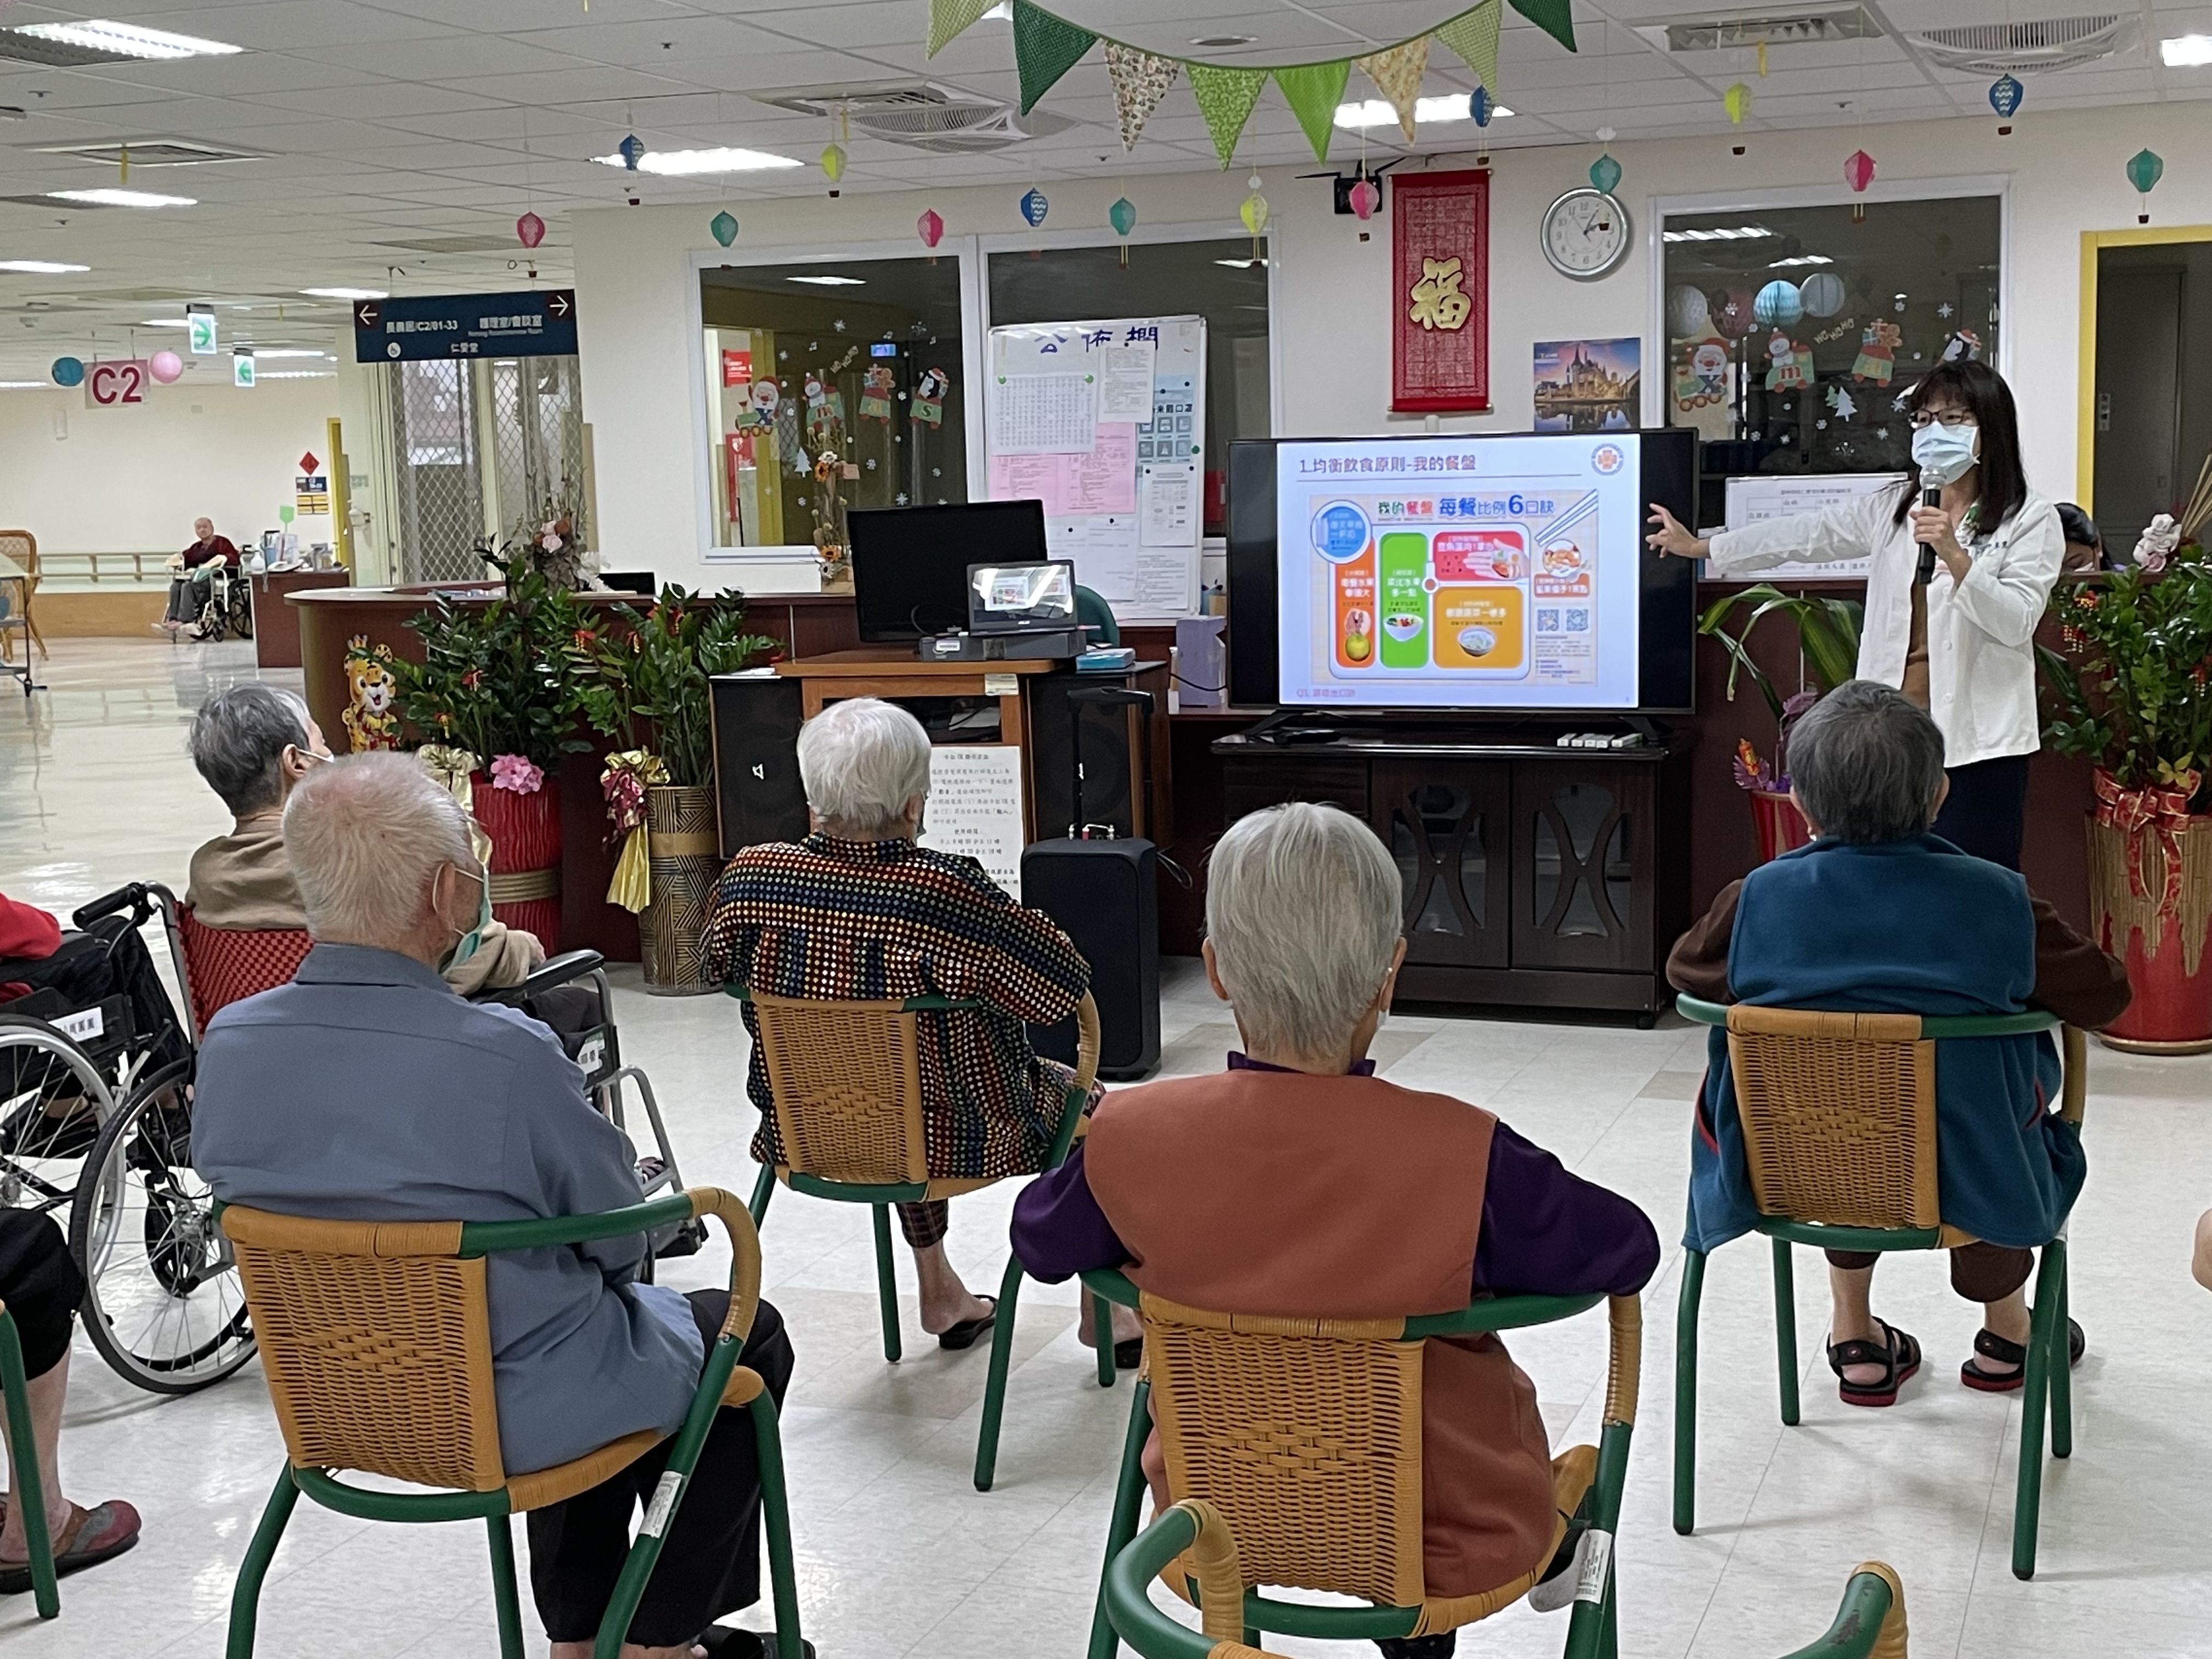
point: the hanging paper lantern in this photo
(1122, 215)
(1480, 105)
(833, 161)
(2145, 168)
(1605, 174)
(2005, 94)
(630, 150)
(1736, 100)
(929, 228)
(68, 371)
(166, 366)
(530, 230)
(1822, 294)
(1686, 312)
(1858, 169)
(724, 226)
(1777, 305)
(1364, 197)
(1034, 206)
(1729, 310)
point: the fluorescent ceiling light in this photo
(296, 373)
(1241, 265)
(291, 351)
(127, 40)
(40, 267)
(1375, 112)
(1737, 234)
(831, 282)
(678, 163)
(1001, 13)
(21, 385)
(2186, 50)
(1802, 259)
(167, 322)
(345, 293)
(110, 197)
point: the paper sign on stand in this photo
(975, 808)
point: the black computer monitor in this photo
(911, 563)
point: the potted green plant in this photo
(641, 678)
(494, 701)
(2126, 691)
(1828, 653)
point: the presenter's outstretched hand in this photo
(1671, 537)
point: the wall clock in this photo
(1585, 233)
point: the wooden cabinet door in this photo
(1582, 869)
(1445, 823)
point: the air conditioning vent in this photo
(1777, 29)
(148, 152)
(924, 115)
(1002, 130)
(2053, 43)
(860, 97)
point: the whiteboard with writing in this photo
(1104, 422)
(1761, 496)
(975, 808)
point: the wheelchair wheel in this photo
(53, 1103)
(164, 1303)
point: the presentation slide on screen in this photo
(1459, 573)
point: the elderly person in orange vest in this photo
(1380, 1201)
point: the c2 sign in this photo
(108, 385)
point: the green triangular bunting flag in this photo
(1474, 36)
(1313, 92)
(947, 18)
(1555, 17)
(1225, 97)
(1045, 48)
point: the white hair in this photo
(1302, 907)
(861, 761)
(365, 835)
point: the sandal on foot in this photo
(728, 1642)
(1990, 1345)
(1899, 1353)
(91, 1537)
(963, 1335)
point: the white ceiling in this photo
(381, 122)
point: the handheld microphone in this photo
(1931, 498)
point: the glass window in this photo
(1792, 332)
(832, 393)
(1220, 281)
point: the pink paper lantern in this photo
(1858, 169)
(1365, 198)
(530, 229)
(929, 228)
(166, 366)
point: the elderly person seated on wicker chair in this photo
(1877, 915)
(1297, 1183)
(365, 1089)
(858, 910)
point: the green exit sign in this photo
(200, 326)
(241, 368)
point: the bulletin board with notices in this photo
(1104, 422)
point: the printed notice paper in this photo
(1125, 381)
(1170, 503)
(1102, 481)
(1044, 414)
(975, 808)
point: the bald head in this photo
(381, 856)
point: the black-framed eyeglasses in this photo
(1921, 417)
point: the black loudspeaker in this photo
(757, 795)
(1104, 895)
(1065, 722)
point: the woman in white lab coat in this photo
(1962, 646)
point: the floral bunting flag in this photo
(1555, 17)
(1397, 76)
(1225, 97)
(948, 18)
(1141, 81)
(1045, 48)
(1313, 92)
(1474, 36)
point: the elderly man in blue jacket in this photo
(1877, 915)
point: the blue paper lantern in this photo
(68, 371)
(1480, 105)
(2005, 94)
(724, 225)
(1034, 207)
(1778, 306)
(630, 150)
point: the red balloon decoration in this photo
(530, 229)
(929, 228)
(1858, 174)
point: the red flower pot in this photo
(1781, 826)
(2159, 927)
(525, 855)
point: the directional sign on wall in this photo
(241, 368)
(199, 322)
(537, 323)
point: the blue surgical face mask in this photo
(466, 946)
(1945, 454)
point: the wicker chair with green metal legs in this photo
(377, 1343)
(845, 1076)
(1838, 1118)
(30, 1489)
(1234, 1397)
(1869, 1625)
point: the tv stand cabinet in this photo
(1533, 875)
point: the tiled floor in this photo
(899, 1556)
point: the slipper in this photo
(728, 1642)
(963, 1335)
(91, 1537)
(1898, 1352)
(1129, 1353)
(1990, 1345)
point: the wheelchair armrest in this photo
(554, 970)
(139, 896)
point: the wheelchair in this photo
(228, 612)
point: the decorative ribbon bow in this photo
(628, 773)
(2136, 813)
(451, 765)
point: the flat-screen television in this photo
(911, 563)
(1495, 573)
